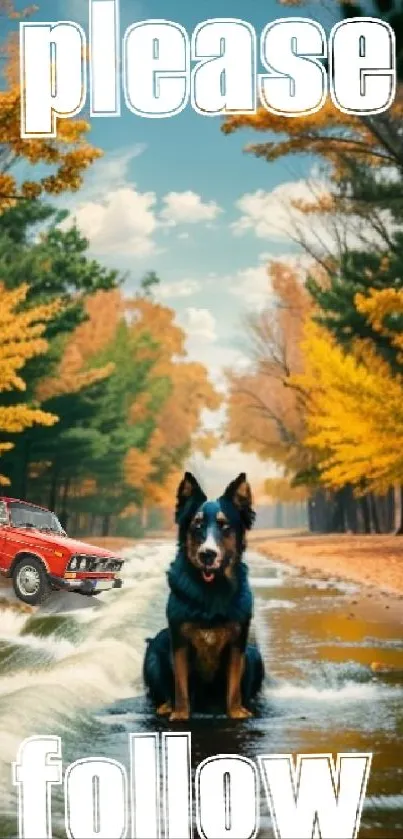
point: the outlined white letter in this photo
(227, 798)
(177, 785)
(52, 75)
(95, 792)
(316, 798)
(145, 786)
(296, 82)
(104, 58)
(225, 77)
(156, 68)
(362, 65)
(37, 767)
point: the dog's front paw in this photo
(179, 716)
(239, 713)
(164, 710)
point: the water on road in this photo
(74, 669)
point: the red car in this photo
(37, 554)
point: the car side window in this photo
(3, 513)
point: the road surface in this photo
(74, 669)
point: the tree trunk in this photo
(399, 505)
(106, 520)
(74, 524)
(53, 487)
(311, 515)
(374, 512)
(338, 520)
(63, 512)
(350, 509)
(22, 491)
(390, 511)
(366, 516)
(144, 517)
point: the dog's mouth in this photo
(208, 576)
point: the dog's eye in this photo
(224, 526)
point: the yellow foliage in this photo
(379, 305)
(310, 134)
(354, 412)
(21, 338)
(69, 155)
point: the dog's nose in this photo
(208, 556)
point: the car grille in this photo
(86, 562)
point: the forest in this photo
(100, 405)
(323, 397)
(98, 413)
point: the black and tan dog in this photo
(204, 656)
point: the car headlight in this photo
(73, 563)
(83, 564)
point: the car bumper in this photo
(88, 586)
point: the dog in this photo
(204, 655)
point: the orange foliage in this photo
(265, 414)
(104, 310)
(179, 420)
(176, 425)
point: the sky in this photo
(179, 197)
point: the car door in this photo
(4, 526)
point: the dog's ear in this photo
(240, 494)
(188, 498)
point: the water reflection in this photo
(79, 674)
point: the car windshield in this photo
(26, 515)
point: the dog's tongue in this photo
(208, 577)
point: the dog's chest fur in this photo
(209, 644)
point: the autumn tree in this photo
(337, 137)
(177, 430)
(21, 338)
(355, 418)
(57, 266)
(66, 158)
(264, 413)
(130, 405)
(353, 402)
(38, 242)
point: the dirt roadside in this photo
(374, 562)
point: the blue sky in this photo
(179, 197)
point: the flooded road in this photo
(74, 670)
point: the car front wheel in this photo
(30, 581)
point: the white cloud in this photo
(111, 212)
(123, 222)
(111, 172)
(271, 216)
(200, 324)
(252, 285)
(178, 288)
(188, 208)
(216, 357)
(117, 218)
